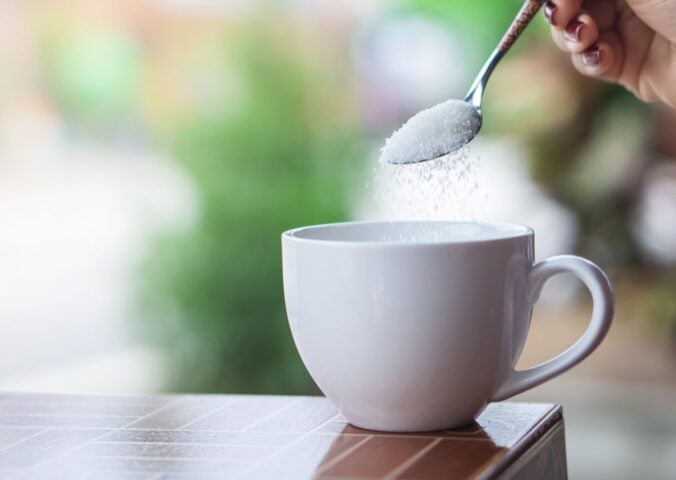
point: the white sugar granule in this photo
(441, 189)
(432, 133)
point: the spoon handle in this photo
(528, 11)
(523, 18)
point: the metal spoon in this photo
(436, 132)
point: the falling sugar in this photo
(441, 189)
(433, 133)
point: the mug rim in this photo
(521, 231)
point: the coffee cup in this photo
(417, 326)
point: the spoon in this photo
(446, 127)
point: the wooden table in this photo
(208, 437)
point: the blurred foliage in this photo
(94, 74)
(661, 304)
(596, 183)
(213, 294)
(482, 22)
(278, 153)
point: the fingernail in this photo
(573, 31)
(592, 56)
(549, 11)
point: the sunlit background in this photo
(151, 152)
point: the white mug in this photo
(416, 326)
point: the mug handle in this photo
(602, 314)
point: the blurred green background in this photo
(285, 149)
(152, 152)
(261, 168)
(275, 116)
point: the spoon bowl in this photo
(449, 126)
(433, 133)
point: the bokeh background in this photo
(151, 152)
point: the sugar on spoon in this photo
(448, 126)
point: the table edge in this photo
(540, 429)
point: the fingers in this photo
(560, 12)
(587, 35)
(604, 13)
(579, 34)
(601, 60)
(595, 61)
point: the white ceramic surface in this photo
(414, 326)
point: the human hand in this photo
(630, 42)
